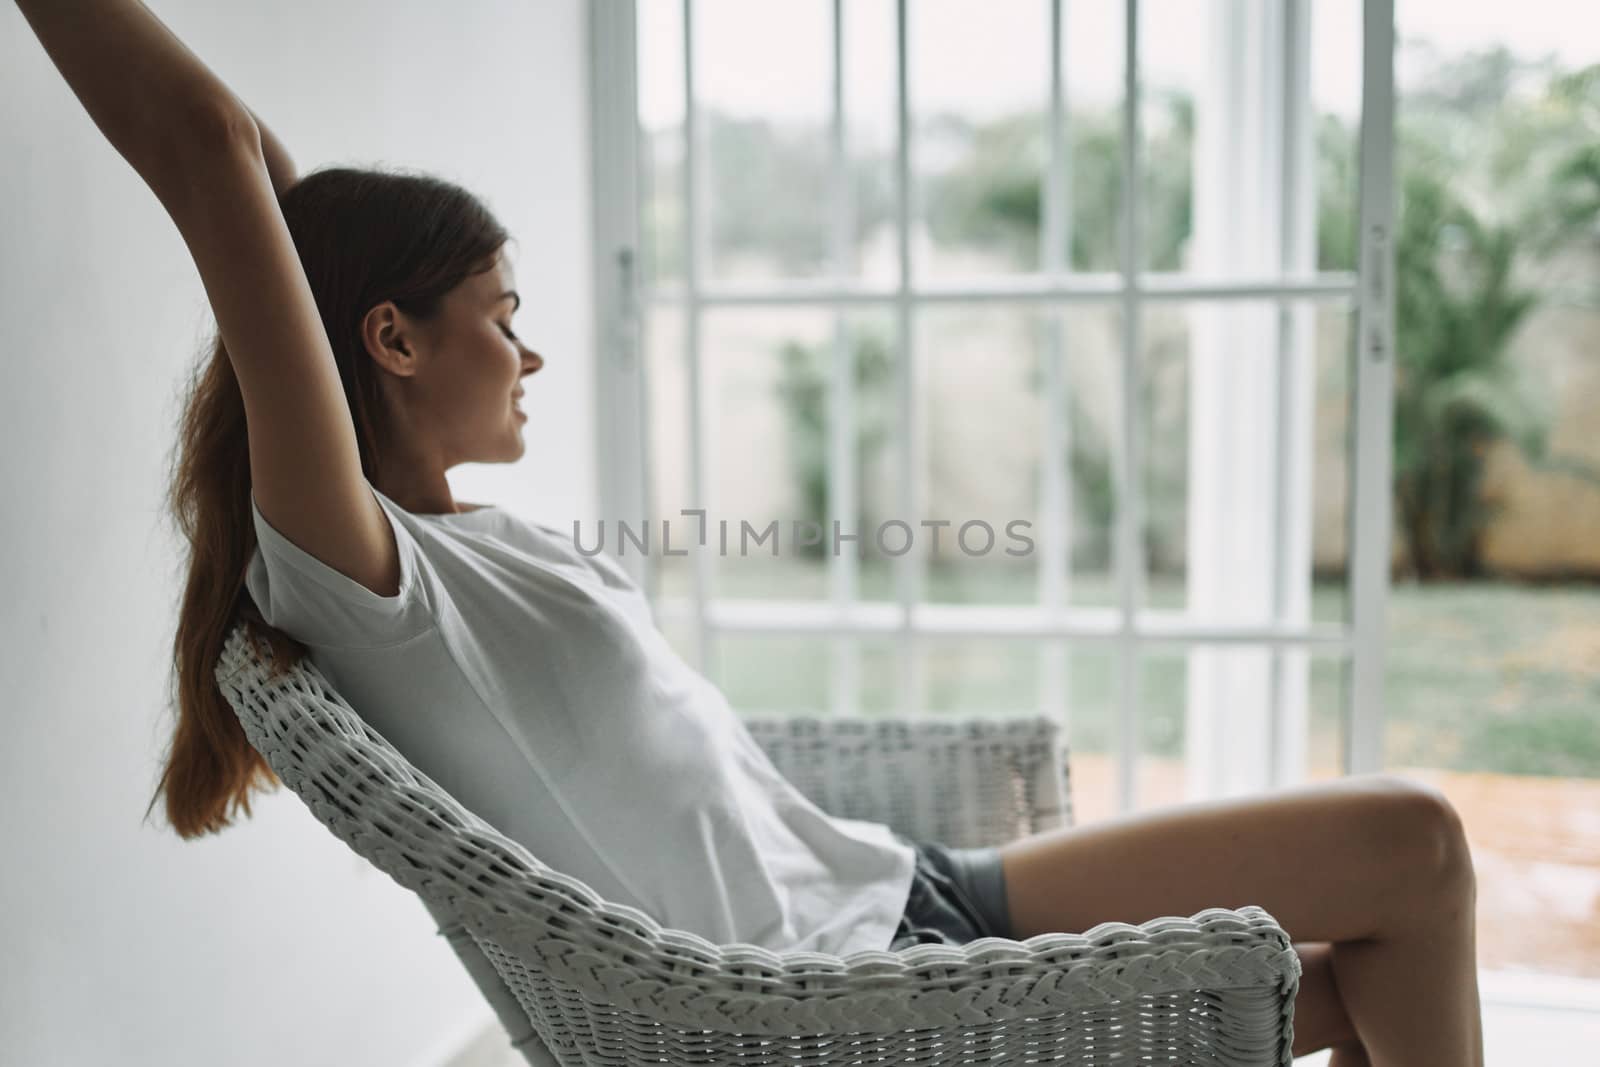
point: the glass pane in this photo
(877, 669)
(1092, 380)
(980, 676)
(1331, 481)
(982, 416)
(801, 674)
(660, 73)
(872, 138)
(1174, 40)
(762, 83)
(1187, 697)
(1164, 397)
(1091, 717)
(1216, 454)
(669, 484)
(677, 627)
(1336, 107)
(877, 450)
(772, 673)
(979, 84)
(1493, 661)
(1092, 48)
(1213, 83)
(766, 428)
(1328, 688)
(1163, 729)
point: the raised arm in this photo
(198, 148)
(280, 167)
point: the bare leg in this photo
(1320, 1018)
(1374, 865)
(1389, 989)
(1352, 1055)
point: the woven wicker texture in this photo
(602, 983)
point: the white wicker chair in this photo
(582, 981)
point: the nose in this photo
(531, 361)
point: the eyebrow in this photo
(512, 293)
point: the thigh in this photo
(1330, 861)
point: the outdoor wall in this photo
(271, 943)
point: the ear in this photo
(389, 338)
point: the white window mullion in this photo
(691, 341)
(1164, 628)
(907, 566)
(1374, 388)
(1130, 490)
(844, 652)
(1055, 491)
(1248, 514)
(620, 374)
(1068, 287)
(1294, 411)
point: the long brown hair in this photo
(363, 237)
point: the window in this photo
(1063, 272)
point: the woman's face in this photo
(466, 381)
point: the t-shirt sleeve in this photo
(313, 603)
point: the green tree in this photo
(1575, 180)
(1494, 180)
(1456, 391)
(1497, 180)
(766, 190)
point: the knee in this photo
(1432, 833)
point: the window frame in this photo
(622, 409)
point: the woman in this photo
(365, 347)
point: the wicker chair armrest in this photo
(678, 980)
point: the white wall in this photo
(271, 943)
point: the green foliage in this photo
(1492, 178)
(994, 197)
(1337, 204)
(767, 188)
(1561, 743)
(1575, 179)
(1456, 392)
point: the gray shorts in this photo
(957, 895)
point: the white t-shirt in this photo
(530, 681)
